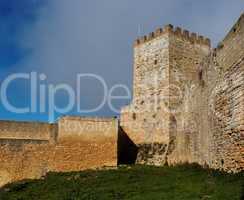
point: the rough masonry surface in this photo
(30, 150)
(188, 103)
(188, 107)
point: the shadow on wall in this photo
(127, 149)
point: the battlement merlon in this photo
(177, 31)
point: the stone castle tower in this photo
(188, 103)
(188, 107)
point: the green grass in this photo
(136, 182)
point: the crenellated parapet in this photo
(177, 31)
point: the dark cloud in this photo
(94, 36)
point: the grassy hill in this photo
(136, 182)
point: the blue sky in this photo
(61, 38)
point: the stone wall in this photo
(186, 52)
(199, 117)
(21, 159)
(188, 106)
(164, 69)
(225, 77)
(227, 113)
(26, 130)
(85, 143)
(71, 145)
(214, 114)
(24, 149)
(146, 120)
